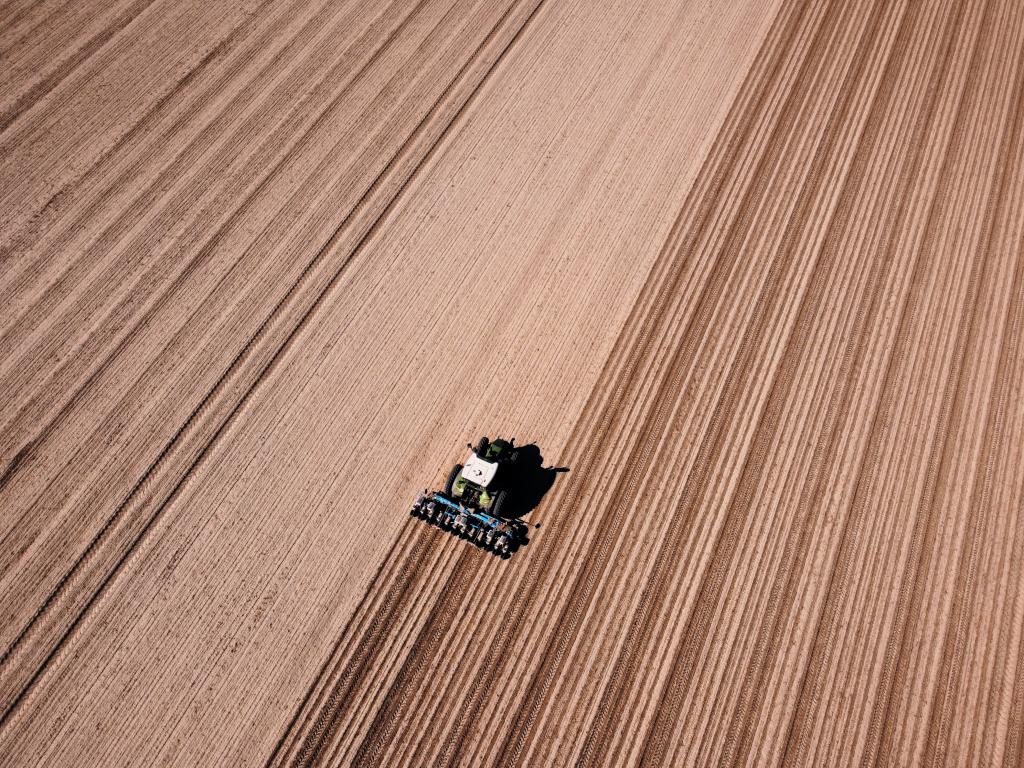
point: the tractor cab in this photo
(473, 503)
(480, 483)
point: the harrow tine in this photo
(480, 528)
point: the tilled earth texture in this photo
(751, 271)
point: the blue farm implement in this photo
(474, 498)
(491, 533)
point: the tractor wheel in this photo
(451, 480)
(499, 503)
(481, 447)
(514, 458)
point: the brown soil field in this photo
(753, 271)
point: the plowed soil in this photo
(753, 271)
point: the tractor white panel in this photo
(479, 470)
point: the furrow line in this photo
(889, 238)
(655, 591)
(43, 88)
(892, 533)
(669, 381)
(191, 116)
(897, 669)
(227, 381)
(697, 208)
(256, 361)
(868, 294)
(982, 508)
(867, 464)
(134, 318)
(752, 476)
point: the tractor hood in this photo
(479, 471)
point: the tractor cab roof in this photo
(479, 471)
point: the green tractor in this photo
(482, 482)
(474, 503)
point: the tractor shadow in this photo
(529, 481)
